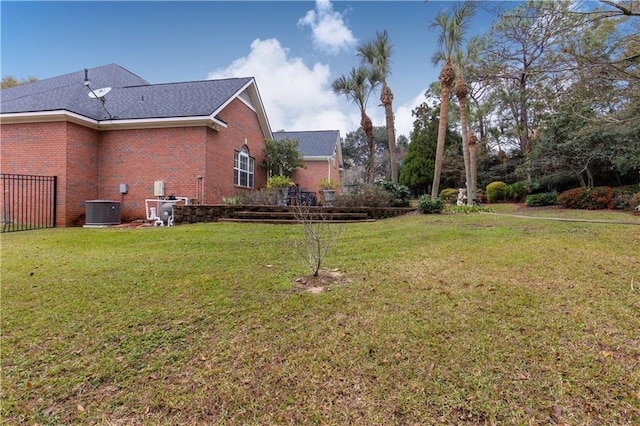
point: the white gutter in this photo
(143, 123)
(316, 158)
(46, 117)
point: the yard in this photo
(425, 319)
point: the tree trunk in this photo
(367, 127)
(446, 78)
(525, 141)
(386, 99)
(525, 144)
(461, 91)
(589, 175)
(473, 160)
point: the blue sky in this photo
(294, 49)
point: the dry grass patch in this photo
(324, 281)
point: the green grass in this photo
(440, 319)
(559, 212)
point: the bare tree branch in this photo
(621, 8)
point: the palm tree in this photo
(461, 90)
(377, 53)
(357, 87)
(452, 28)
(473, 162)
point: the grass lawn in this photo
(437, 319)
(562, 213)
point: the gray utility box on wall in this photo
(102, 212)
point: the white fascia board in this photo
(216, 122)
(251, 107)
(48, 117)
(144, 123)
(154, 123)
(262, 115)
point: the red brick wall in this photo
(310, 176)
(139, 157)
(60, 149)
(242, 124)
(82, 172)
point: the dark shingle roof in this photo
(318, 143)
(130, 97)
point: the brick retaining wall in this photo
(183, 214)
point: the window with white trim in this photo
(243, 166)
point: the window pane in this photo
(243, 168)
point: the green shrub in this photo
(587, 198)
(279, 181)
(626, 198)
(428, 205)
(496, 191)
(516, 192)
(449, 195)
(401, 193)
(541, 200)
(325, 183)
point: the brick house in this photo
(322, 154)
(104, 129)
(201, 139)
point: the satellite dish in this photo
(99, 93)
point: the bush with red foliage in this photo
(602, 197)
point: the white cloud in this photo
(299, 97)
(404, 119)
(295, 96)
(330, 33)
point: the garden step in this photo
(292, 215)
(290, 221)
(289, 216)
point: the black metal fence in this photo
(28, 202)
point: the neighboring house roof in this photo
(315, 145)
(131, 100)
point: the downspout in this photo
(200, 189)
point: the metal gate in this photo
(28, 202)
